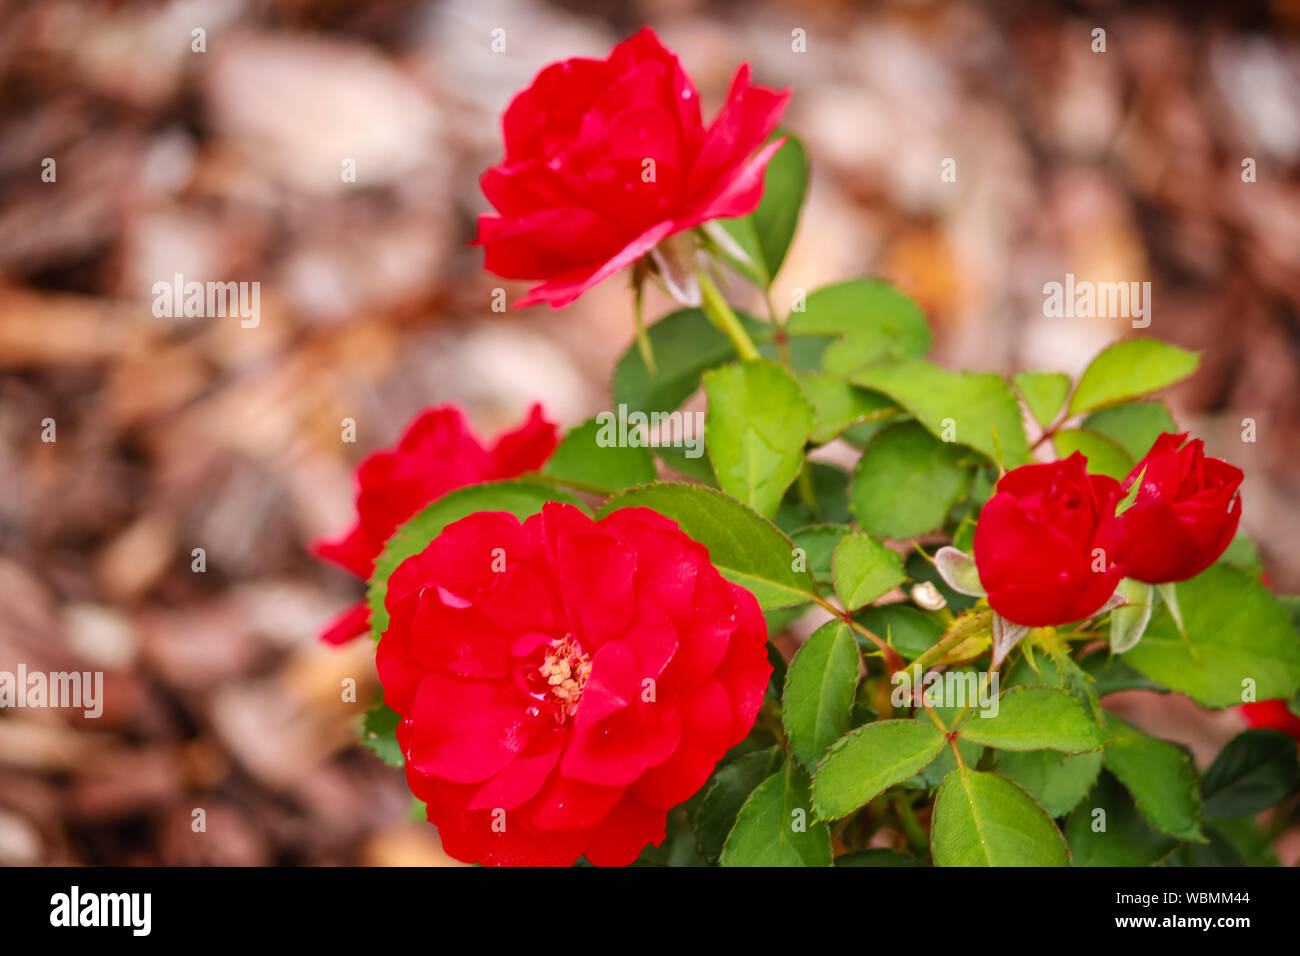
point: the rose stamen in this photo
(565, 669)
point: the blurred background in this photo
(175, 434)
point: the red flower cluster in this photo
(438, 453)
(605, 158)
(563, 683)
(1050, 548)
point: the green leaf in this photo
(1242, 553)
(819, 690)
(1129, 369)
(1236, 631)
(830, 498)
(1057, 781)
(685, 344)
(776, 828)
(983, 819)
(521, 498)
(756, 427)
(864, 569)
(867, 761)
(379, 733)
(766, 233)
(837, 405)
(878, 319)
(1105, 456)
(1159, 775)
(975, 409)
(726, 793)
(1256, 770)
(1044, 393)
(748, 549)
(590, 454)
(908, 629)
(907, 481)
(1117, 836)
(818, 542)
(1034, 718)
(1134, 426)
(1251, 843)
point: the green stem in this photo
(716, 308)
(642, 337)
(808, 492)
(912, 829)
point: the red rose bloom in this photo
(576, 197)
(565, 682)
(1036, 538)
(1273, 715)
(1185, 513)
(439, 453)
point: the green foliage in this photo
(755, 430)
(747, 548)
(907, 481)
(1131, 369)
(1239, 638)
(975, 409)
(819, 691)
(1107, 829)
(1159, 775)
(983, 819)
(1257, 769)
(775, 826)
(1044, 394)
(867, 761)
(1034, 718)
(864, 569)
(587, 456)
(765, 234)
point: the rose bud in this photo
(1044, 543)
(1185, 513)
(560, 702)
(606, 158)
(439, 453)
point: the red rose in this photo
(1272, 714)
(439, 453)
(565, 682)
(1185, 513)
(575, 195)
(1037, 541)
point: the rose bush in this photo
(438, 453)
(573, 659)
(564, 683)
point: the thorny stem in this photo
(847, 618)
